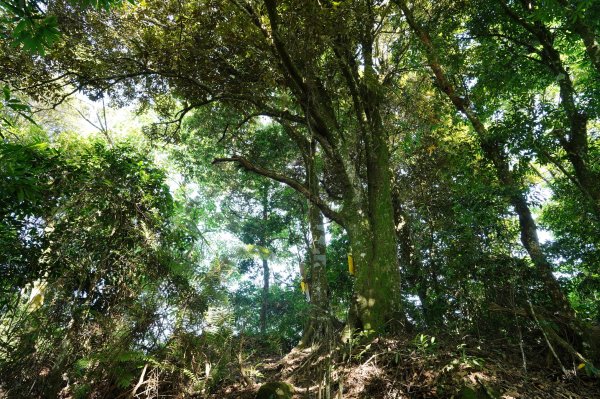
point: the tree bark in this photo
(372, 236)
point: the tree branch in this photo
(294, 184)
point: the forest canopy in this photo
(199, 197)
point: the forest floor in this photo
(418, 368)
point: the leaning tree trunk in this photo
(574, 139)
(495, 154)
(528, 228)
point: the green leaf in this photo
(19, 107)
(21, 26)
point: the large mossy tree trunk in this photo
(371, 230)
(353, 143)
(376, 302)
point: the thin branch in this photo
(296, 185)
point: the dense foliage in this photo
(318, 174)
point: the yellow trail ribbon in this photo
(350, 264)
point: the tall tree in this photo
(544, 38)
(493, 149)
(333, 94)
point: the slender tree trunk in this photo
(495, 153)
(265, 296)
(575, 143)
(527, 226)
(265, 266)
(319, 327)
(410, 262)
